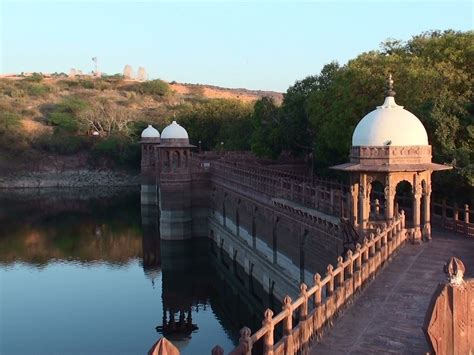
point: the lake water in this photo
(85, 272)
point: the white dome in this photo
(150, 132)
(389, 124)
(174, 131)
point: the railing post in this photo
(315, 198)
(304, 329)
(318, 293)
(330, 284)
(350, 270)
(288, 325)
(466, 220)
(455, 213)
(245, 343)
(340, 278)
(304, 306)
(268, 337)
(318, 319)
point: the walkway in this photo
(387, 317)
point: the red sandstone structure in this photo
(251, 208)
(390, 145)
(449, 323)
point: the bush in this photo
(64, 115)
(153, 87)
(35, 78)
(87, 84)
(72, 105)
(63, 121)
(68, 83)
(9, 120)
(61, 143)
(37, 90)
(113, 78)
(118, 149)
(102, 85)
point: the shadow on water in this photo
(205, 298)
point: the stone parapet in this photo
(385, 155)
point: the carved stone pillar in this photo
(362, 222)
(427, 212)
(364, 201)
(354, 202)
(389, 200)
(368, 190)
(417, 191)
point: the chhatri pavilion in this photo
(390, 146)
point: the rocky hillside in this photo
(216, 92)
(56, 124)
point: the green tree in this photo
(433, 73)
(267, 137)
(218, 120)
(64, 117)
(153, 87)
(294, 119)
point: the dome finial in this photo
(389, 90)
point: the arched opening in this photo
(377, 201)
(185, 154)
(176, 160)
(167, 162)
(404, 201)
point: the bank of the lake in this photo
(68, 178)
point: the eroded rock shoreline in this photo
(68, 179)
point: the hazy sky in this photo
(257, 45)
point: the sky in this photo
(251, 44)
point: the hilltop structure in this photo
(128, 72)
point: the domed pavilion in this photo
(175, 149)
(149, 139)
(390, 152)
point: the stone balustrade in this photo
(316, 306)
(326, 196)
(453, 218)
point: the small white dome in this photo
(150, 132)
(174, 131)
(389, 124)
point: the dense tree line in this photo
(433, 75)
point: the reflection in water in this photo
(49, 226)
(71, 279)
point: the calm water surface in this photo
(85, 272)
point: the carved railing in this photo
(327, 198)
(453, 218)
(317, 306)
